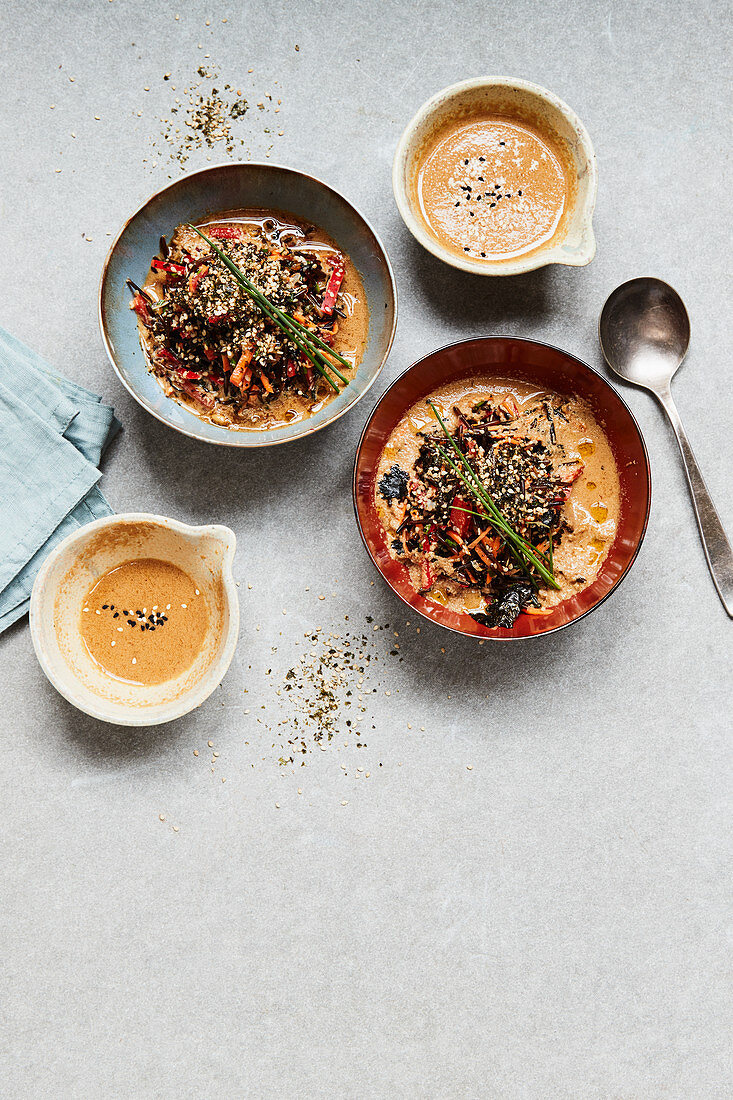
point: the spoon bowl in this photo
(645, 332)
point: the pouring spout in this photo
(580, 252)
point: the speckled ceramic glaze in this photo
(548, 368)
(574, 244)
(70, 570)
(232, 187)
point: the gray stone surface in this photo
(551, 922)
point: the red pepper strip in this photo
(333, 286)
(205, 399)
(210, 354)
(510, 405)
(217, 318)
(568, 477)
(458, 518)
(167, 356)
(191, 374)
(225, 361)
(291, 370)
(167, 265)
(141, 307)
(224, 233)
(195, 279)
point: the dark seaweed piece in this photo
(393, 485)
(507, 607)
(550, 421)
(397, 545)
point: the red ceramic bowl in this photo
(526, 361)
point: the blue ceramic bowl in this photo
(232, 187)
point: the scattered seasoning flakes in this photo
(211, 114)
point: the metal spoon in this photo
(645, 332)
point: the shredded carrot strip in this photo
(487, 561)
(478, 538)
(265, 382)
(538, 610)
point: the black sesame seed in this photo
(105, 606)
(466, 249)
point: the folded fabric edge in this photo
(15, 597)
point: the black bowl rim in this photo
(647, 468)
(245, 442)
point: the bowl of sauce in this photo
(134, 618)
(497, 176)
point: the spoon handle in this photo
(714, 539)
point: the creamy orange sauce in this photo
(591, 510)
(144, 621)
(493, 188)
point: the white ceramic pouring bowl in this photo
(70, 570)
(574, 243)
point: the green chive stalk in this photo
(306, 341)
(521, 549)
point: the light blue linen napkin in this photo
(52, 436)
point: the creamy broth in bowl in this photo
(540, 457)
